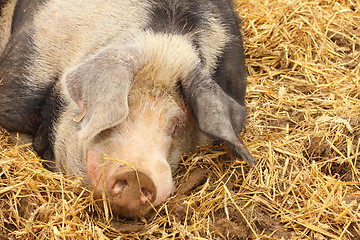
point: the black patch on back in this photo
(20, 100)
(174, 16)
(45, 136)
(24, 12)
(178, 17)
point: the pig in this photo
(118, 91)
(6, 13)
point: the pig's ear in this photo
(219, 115)
(100, 88)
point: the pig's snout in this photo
(131, 192)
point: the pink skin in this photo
(142, 142)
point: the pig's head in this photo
(132, 126)
(132, 112)
(132, 161)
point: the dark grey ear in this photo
(100, 88)
(219, 115)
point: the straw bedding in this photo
(303, 60)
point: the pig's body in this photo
(106, 87)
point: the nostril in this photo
(119, 186)
(146, 196)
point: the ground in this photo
(303, 60)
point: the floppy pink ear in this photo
(100, 88)
(217, 114)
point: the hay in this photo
(303, 59)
